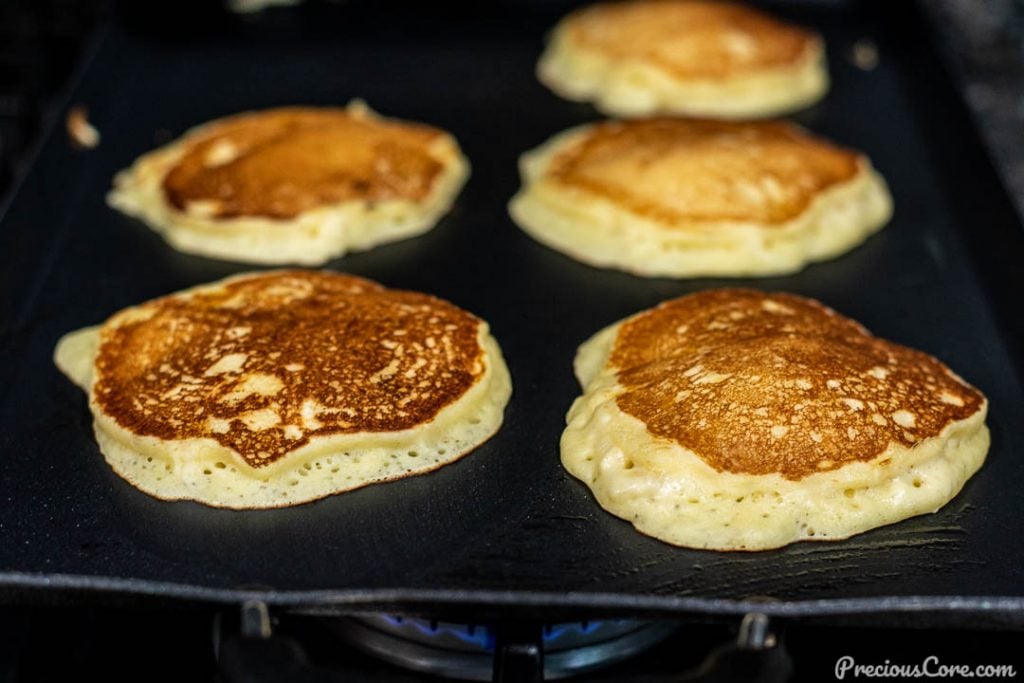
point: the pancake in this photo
(271, 389)
(294, 184)
(694, 197)
(714, 59)
(738, 420)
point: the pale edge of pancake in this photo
(635, 87)
(313, 237)
(203, 470)
(668, 492)
(600, 232)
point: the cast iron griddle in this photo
(505, 528)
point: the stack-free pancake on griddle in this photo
(738, 420)
(692, 57)
(688, 197)
(271, 389)
(294, 184)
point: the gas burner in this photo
(466, 651)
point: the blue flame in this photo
(484, 636)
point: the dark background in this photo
(45, 644)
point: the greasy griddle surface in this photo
(507, 517)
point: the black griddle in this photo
(505, 530)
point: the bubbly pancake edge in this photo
(629, 87)
(203, 470)
(601, 232)
(669, 492)
(311, 237)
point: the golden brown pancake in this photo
(273, 374)
(734, 419)
(687, 197)
(685, 171)
(692, 39)
(718, 59)
(294, 184)
(281, 162)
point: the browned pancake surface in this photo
(272, 360)
(280, 162)
(691, 39)
(691, 170)
(760, 383)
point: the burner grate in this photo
(466, 651)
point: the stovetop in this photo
(42, 643)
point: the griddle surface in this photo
(506, 525)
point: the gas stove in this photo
(520, 651)
(201, 644)
(467, 651)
